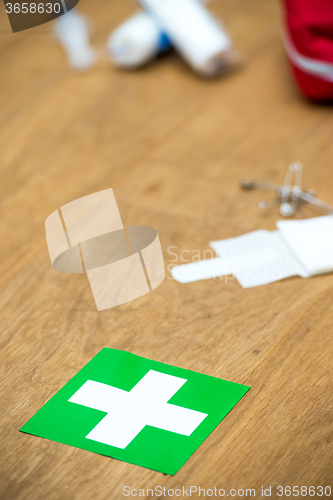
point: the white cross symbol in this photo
(129, 412)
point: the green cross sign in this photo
(136, 410)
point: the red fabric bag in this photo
(308, 40)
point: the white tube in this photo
(194, 32)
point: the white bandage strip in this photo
(201, 270)
(303, 248)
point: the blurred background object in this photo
(195, 33)
(137, 41)
(186, 24)
(72, 31)
(308, 41)
(198, 36)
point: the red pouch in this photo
(308, 40)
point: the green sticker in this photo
(136, 410)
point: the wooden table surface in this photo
(173, 148)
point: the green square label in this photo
(136, 410)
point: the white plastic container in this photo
(194, 32)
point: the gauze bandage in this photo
(115, 269)
(299, 247)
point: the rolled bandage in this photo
(93, 225)
(137, 41)
(194, 32)
(71, 30)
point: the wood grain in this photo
(173, 147)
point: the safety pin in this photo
(290, 194)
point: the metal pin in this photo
(268, 204)
(290, 194)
